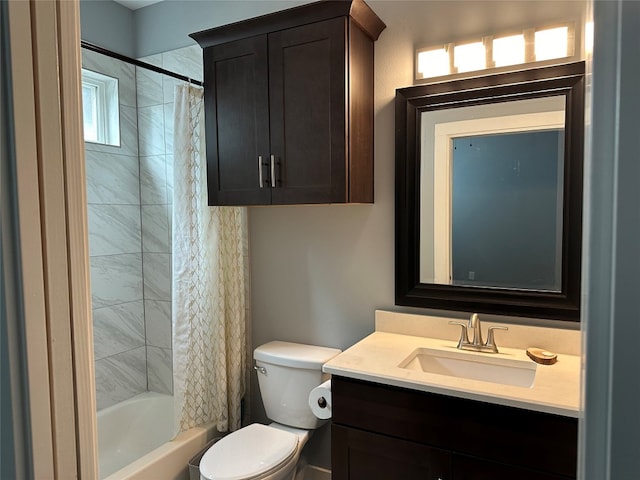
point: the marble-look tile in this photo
(113, 125)
(157, 276)
(129, 130)
(148, 87)
(118, 329)
(170, 180)
(155, 60)
(112, 179)
(124, 72)
(153, 180)
(120, 377)
(155, 229)
(160, 370)
(128, 135)
(151, 130)
(114, 229)
(168, 128)
(157, 316)
(186, 61)
(116, 279)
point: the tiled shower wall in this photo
(155, 133)
(115, 239)
(130, 194)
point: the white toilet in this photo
(287, 372)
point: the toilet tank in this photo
(287, 372)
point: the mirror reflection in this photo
(491, 195)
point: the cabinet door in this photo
(237, 116)
(467, 468)
(359, 455)
(307, 75)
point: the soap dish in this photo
(541, 356)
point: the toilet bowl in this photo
(265, 452)
(287, 372)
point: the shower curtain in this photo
(209, 254)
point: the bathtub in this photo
(135, 440)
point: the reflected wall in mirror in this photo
(491, 205)
(489, 193)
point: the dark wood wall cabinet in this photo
(289, 106)
(380, 432)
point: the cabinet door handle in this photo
(273, 171)
(260, 171)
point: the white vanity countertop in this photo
(556, 388)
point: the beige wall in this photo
(319, 272)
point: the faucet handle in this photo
(464, 336)
(491, 341)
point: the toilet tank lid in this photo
(295, 355)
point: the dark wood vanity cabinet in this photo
(383, 432)
(289, 106)
(358, 454)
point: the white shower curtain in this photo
(209, 248)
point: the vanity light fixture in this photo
(469, 57)
(435, 62)
(551, 43)
(532, 45)
(508, 50)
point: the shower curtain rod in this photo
(137, 63)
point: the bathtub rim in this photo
(170, 459)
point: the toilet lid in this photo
(247, 453)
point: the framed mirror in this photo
(489, 174)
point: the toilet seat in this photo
(249, 453)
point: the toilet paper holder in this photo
(320, 400)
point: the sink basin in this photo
(472, 366)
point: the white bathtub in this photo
(134, 440)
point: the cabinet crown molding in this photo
(357, 10)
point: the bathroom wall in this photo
(178, 19)
(100, 18)
(113, 193)
(155, 130)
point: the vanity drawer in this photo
(507, 435)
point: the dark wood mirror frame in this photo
(566, 80)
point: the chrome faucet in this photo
(477, 343)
